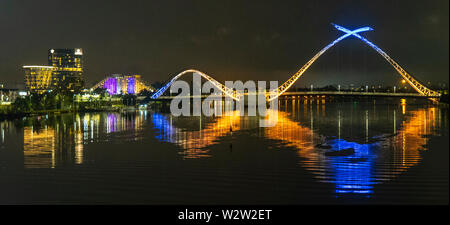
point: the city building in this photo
(64, 72)
(123, 84)
(69, 64)
(40, 78)
(67, 58)
(8, 96)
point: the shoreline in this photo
(38, 113)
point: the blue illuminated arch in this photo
(286, 85)
(419, 87)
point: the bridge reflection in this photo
(377, 158)
(386, 139)
(370, 164)
(195, 143)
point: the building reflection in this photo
(61, 140)
(39, 147)
(5, 126)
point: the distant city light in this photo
(23, 93)
(78, 52)
(47, 67)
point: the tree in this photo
(21, 105)
(100, 91)
(129, 99)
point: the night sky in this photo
(230, 40)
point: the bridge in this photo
(418, 86)
(324, 93)
(355, 93)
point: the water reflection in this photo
(39, 147)
(352, 145)
(378, 142)
(59, 140)
(377, 159)
(194, 142)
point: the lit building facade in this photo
(64, 71)
(40, 78)
(69, 64)
(123, 84)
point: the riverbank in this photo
(17, 115)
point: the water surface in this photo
(397, 153)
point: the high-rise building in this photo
(69, 64)
(71, 58)
(64, 72)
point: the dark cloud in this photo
(258, 40)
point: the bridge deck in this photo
(352, 93)
(332, 93)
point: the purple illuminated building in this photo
(110, 85)
(123, 84)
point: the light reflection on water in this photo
(376, 159)
(195, 142)
(384, 157)
(386, 139)
(48, 143)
